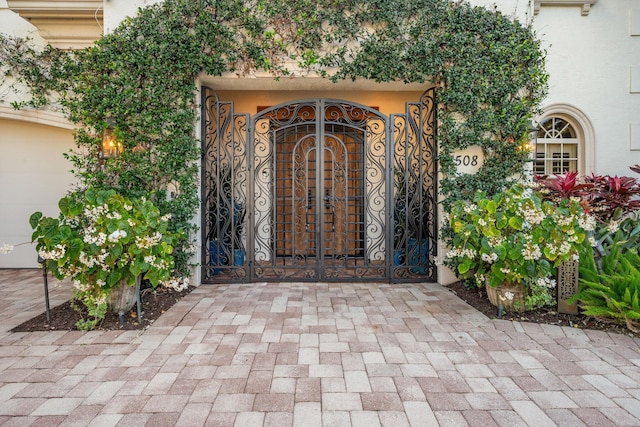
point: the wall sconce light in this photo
(111, 147)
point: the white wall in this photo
(589, 60)
(115, 11)
(519, 9)
(14, 25)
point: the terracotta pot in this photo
(497, 296)
(122, 297)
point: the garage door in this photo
(34, 175)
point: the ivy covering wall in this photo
(488, 70)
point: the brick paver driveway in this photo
(301, 354)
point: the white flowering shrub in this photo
(513, 237)
(101, 238)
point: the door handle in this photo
(327, 199)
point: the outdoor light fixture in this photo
(111, 147)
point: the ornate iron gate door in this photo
(319, 191)
(325, 190)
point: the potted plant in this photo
(104, 242)
(218, 213)
(410, 233)
(226, 221)
(512, 242)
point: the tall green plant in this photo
(614, 292)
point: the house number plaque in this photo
(469, 160)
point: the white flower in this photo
(6, 248)
(508, 296)
(117, 235)
(495, 241)
(55, 254)
(565, 247)
(546, 282)
(533, 216)
(482, 222)
(147, 242)
(470, 208)
(465, 253)
(490, 258)
(588, 222)
(592, 241)
(613, 226)
(178, 284)
(89, 261)
(531, 252)
(96, 240)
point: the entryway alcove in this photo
(318, 189)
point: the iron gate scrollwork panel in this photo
(324, 190)
(224, 184)
(414, 231)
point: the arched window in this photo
(558, 148)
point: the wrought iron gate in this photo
(313, 196)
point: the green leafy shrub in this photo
(514, 237)
(101, 238)
(613, 292)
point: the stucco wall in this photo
(33, 177)
(115, 11)
(386, 102)
(589, 62)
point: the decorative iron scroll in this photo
(414, 232)
(224, 184)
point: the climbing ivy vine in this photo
(488, 70)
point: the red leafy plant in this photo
(605, 197)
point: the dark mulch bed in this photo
(64, 317)
(478, 299)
